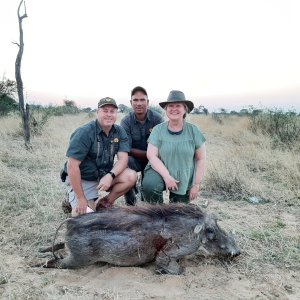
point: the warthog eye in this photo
(209, 230)
(210, 233)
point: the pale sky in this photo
(220, 53)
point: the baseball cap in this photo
(106, 101)
(138, 89)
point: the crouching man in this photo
(90, 166)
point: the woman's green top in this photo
(177, 152)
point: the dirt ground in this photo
(247, 277)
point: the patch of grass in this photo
(4, 278)
(275, 246)
(227, 179)
(278, 224)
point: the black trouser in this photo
(137, 166)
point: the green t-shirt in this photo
(177, 152)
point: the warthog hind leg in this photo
(56, 247)
(68, 262)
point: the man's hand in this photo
(105, 183)
(81, 206)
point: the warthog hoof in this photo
(173, 268)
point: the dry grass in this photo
(240, 165)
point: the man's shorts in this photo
(136, 165)
(89, 189)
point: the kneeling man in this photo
(90, 166)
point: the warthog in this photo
(132, 236)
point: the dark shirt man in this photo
(138, 126)
(90, 165)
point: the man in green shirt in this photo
(90, 166)
(138, 125)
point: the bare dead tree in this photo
(23, 110)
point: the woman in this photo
(176, 154)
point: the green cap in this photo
(106, 101)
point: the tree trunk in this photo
(23, 110)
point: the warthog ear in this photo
(198, 228)
(213, 216)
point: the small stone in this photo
(288, 288)
(253, 200)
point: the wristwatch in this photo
(112, 174)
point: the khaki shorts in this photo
(89, 189)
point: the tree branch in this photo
(16, 43)
(25, 14)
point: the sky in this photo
(221, 54)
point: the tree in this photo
(70, 107)
(123, 108)
(7, 104)
(244, 112)
(7, 92)
(200, 110)
(69, 103)
(24, 110)
(8, 87)
(205, 110)
(233, 112)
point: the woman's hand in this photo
(194, 191)
(171, 183)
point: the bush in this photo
(283, 127)
(39, 117)
(217, 118)
(157, 109)
(7, 105)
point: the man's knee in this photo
(128, 176)
(131, 176)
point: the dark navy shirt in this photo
(96, 151)
(138, 133)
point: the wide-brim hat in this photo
(177, 96)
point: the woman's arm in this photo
(200, 157)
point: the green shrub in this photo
(7, 105)
(217, 118)
(283, 127)
(157, 109)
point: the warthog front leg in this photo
(166, 260)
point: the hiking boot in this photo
(130, 198)
(66, 206)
